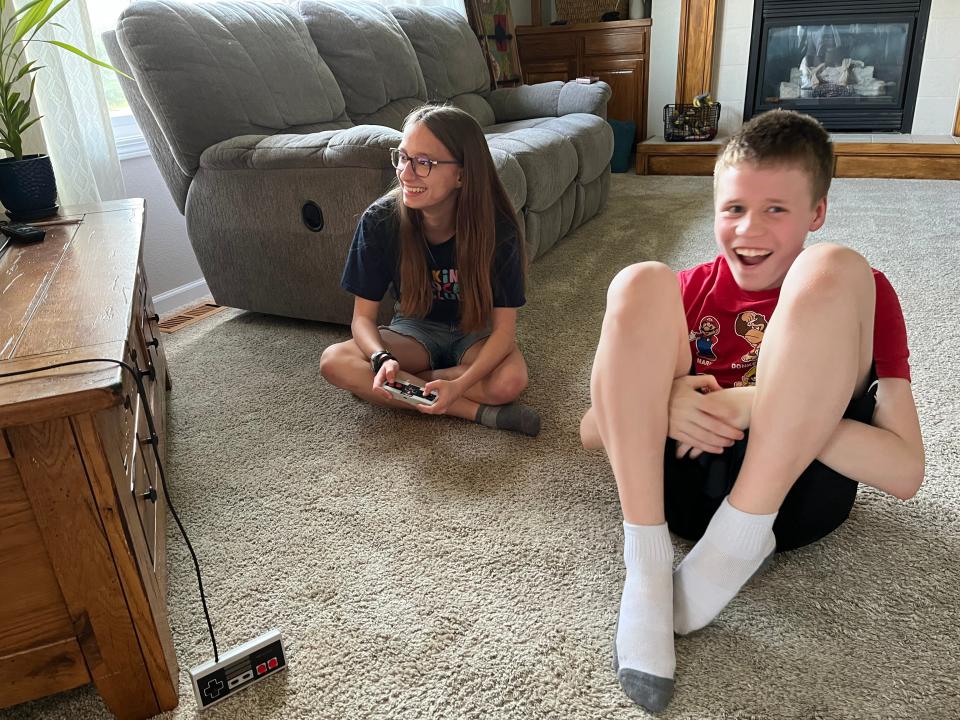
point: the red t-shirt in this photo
(726, 325)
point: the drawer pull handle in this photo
(145, 373)
(154, 343)
(154, 318)
(150, 495)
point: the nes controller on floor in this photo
(238, 669)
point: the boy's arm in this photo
(887, 455)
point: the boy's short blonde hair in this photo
(782, 137)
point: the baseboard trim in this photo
(179, 297)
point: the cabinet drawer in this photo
(144, 484)
(533, 48)
(626, 42)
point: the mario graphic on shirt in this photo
(706, 338)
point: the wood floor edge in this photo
(872, 160)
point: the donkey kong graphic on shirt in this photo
(750, 325)
(706, 338)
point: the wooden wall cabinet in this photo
(616, 52)
(82, 551)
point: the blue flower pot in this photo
(28, 189)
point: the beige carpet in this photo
(431, 568)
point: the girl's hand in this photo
(447, 392)
(388, 372)
(692, 422)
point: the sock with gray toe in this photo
(644, 658)
(734, 547)
(515, 417)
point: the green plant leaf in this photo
(81, 53)
(26, 69)
(49, 15)
(27, 6)
(30, 18)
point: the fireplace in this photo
(852, 64)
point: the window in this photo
(126, 132)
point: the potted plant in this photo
(27, 187)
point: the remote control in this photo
(21, 232)
(238, 669)
(408, 392)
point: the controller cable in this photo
(154, 442)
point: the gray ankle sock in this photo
(515, 417)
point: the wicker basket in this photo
(589, 11)
(686, 123)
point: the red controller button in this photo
(261, 668)
(272, 663)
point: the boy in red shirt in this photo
(826, 400)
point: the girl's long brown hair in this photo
(482, 201)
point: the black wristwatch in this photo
(379, 358)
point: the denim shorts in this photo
(444, 342)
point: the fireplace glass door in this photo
(835, 65)
(853, 65)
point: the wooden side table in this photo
(82, 513)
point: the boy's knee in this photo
(641, 280)
(826, 265)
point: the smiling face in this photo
(761, 219)
(435, 194)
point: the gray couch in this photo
(253, 110)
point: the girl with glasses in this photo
(447, 239)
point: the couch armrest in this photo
(363, 146)
(549, 99)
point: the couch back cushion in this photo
(450, 57)
(370, 57)
(214, 71)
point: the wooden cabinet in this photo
(82, 511)
(616, 52)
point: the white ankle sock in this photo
(732, 549)
(645, 627)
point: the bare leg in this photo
(815, 356)
(346, 366)
(503, 385)
(642, 349)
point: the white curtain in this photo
(76, 121)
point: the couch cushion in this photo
(590, 135)
(370, 56)
(548, 160)
(449, 54)
(214, 71)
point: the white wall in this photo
(173, 276)
(731, 55)
(939, 72)
(520, 9)
(664, 46)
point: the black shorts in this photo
(817, 504)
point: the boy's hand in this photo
(696, 424)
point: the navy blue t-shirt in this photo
(373, 264)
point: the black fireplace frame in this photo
(849, 114)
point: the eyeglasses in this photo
(421, 165)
